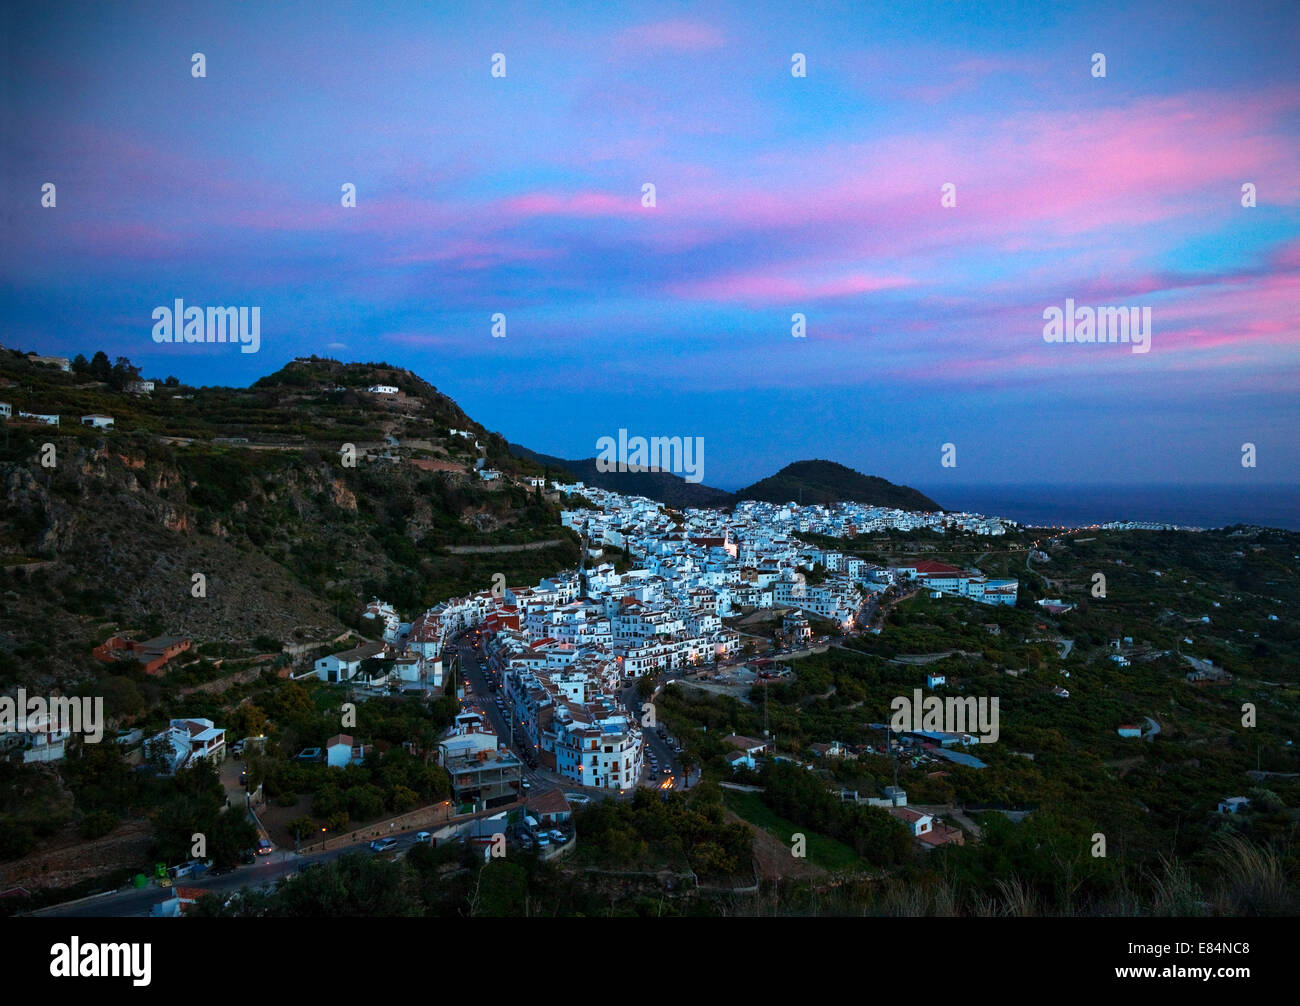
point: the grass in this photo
(822, 851)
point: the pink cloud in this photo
(575, 204)
(771, 288)
(677, 35)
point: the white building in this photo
(39, 741)
(186, 741)
(339, 667)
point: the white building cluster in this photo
(565, 647)
(844, 520)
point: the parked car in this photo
(543, 841)
(247, 856)
(557, 836)
(383, 844)
(423, 836)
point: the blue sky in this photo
(774, 195)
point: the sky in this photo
(774, 195)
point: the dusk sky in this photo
(774, 195)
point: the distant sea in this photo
(1073, 505)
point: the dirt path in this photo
(531, 546)
(918, 659)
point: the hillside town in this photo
(565, 648)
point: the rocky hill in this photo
(296, 499)
(828, 482)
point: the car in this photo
(264, 847)
(557, 836)
(671, 741)
(543, 840)
(247, 856)
(237, 748)
(678, 749)
(667, 770)
(383, 844)
(527, 785)
(423, 836)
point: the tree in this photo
(158, 755)
(500, 890)
(100, 368)
(80, 365)
(122, 374)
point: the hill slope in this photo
(828, 482)
(820, 481)
(250, 487)
(665, 487)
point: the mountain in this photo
(297, 498)
(665, 487)
(818, 482)
(828, 482)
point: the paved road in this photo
(131, 902)
(481, 697)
